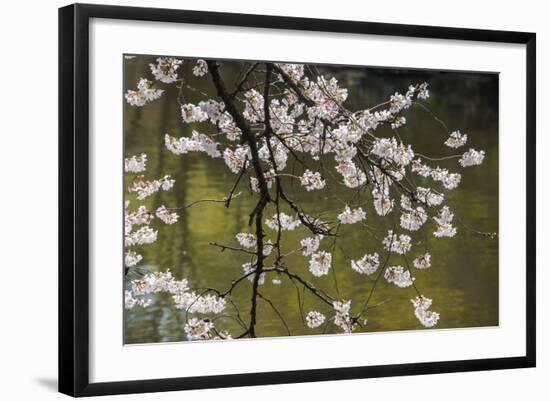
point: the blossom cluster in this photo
(412, 218)
(399, 244)
(130, 301)
(200, 69)
(141, 216)
(456, 139)
(166, 215)
(310, 244)
(398, 276)
(311, 181)
(166, 69)
(283, 222)
(315, 319)
(423, 261)
(342, 316)
(320, 263)
(349, 216)
(183, 298)
(247, 240)
(249, 269)
(472, 158)
(135, 164)
(144, 94)
(425, 316)
(305, 121)
(197, 143)
(192, 302)
(444, 226)
(145, 188)
(144, 235)
(368, 264)
(198, 329)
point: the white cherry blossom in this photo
(166, 215)
(246, 240)
(422, 261)
(287, 223)
(398, 276)
(312, 181)
(399, 244)
(421, 310)
(472, 158)
(166, 69)
(456, 139)
(144, 94)
(198, 329)
(135, 164)
(201, 68)
(310, 244)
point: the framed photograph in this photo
(249, 199)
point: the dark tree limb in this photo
(257, 214)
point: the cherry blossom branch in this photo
(224, 247)
(243, 80)
(232, 191)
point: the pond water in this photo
(463, 280)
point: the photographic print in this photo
(272, 199)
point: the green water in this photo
(463, 279)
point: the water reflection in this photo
(463, 280)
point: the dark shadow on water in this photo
(49, 383)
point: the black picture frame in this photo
(74, 202)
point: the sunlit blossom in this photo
(166, 69)
(131, 301)
(145, 235)
(144, 94)
(429, 197)
(311, 131)
(399, 244)
(315, 319)
(131, 258)
(198, 329)
(413, 218)
(351, 216)
(319, 263)
(235, 159)
(472, 158)
(310, 244)
(456, 139)
(191, 113)
(311, 181)
(249, 269)
(166, 215)
(342, 316)
(196, 143)
(201, 68)
(135, 164)
(284, 221)
(246, 240)
(144, 188)
(368, 264)
(398, 276)
(444, 226)
(422, 261)
(421, 310)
